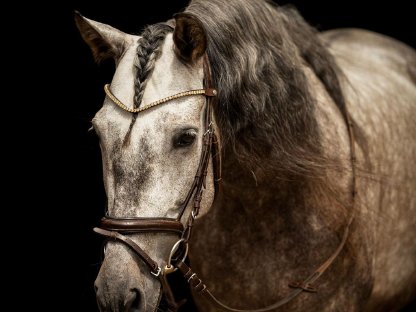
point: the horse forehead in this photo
(169, 77)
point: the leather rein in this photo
(117, 228)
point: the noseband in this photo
(117, 228)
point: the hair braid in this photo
(148, 51)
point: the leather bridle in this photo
(118, 228)
(115, 228)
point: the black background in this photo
(73, 157)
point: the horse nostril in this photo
(132, 302)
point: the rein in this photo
(117, 228)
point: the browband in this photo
(207, 92)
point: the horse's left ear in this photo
(189, 37)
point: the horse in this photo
(268, 163)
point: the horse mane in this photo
(266, 110)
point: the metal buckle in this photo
(169, 269)
(157, 272)
(209, 129)
(304, 286)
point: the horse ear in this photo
(105, 41)
(189, 37)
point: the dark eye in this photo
(184, 138)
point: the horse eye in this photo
(185, 138)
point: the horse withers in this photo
(286, 153)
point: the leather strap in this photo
(196, 189)
(207, 151)
(138, 225)
(216, 163)
(173, 306)
(305, 286)
(153, 266)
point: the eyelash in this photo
(185, 139)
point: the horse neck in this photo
(261, 232)
(296, 216)
(265, 231)
(259, 192)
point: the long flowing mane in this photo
(266, 110)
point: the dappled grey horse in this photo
(287, 154)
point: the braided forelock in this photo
(148, 51)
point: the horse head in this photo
(152, 130)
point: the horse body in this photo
(287, 181)
(378, 272)
(381, 92)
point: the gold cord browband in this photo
(206, 92)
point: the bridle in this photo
(115, 228)
(118, 228)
